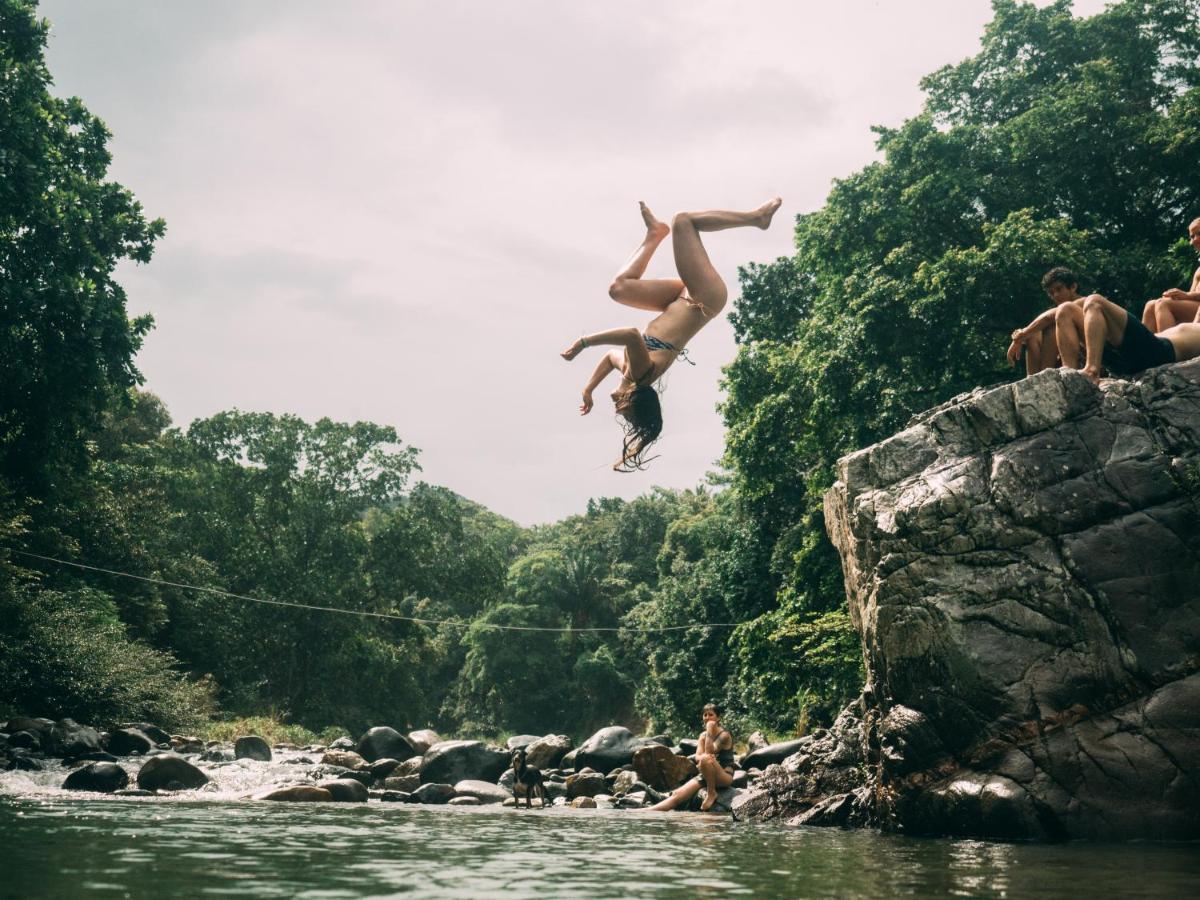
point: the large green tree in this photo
(66, 341)
(1066, 140)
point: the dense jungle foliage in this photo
(1064, 141)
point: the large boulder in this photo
(609, 748)
(169, 772)
(344, 759)
(382, 742)
(295, 793)
(345, 790)
(663, 770)
(771, 754)
(432, 793)
(548, 751)
(484, 791)
(128, 741)
(422, 739)
(251, 746)
(69, 739)
(97, 776)
(585, 784)
(150, 730)
(518, 741)
(1022, 566)
(453, 761)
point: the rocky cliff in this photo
(1023, 565)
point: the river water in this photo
(57, 844)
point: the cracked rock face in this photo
(1023, 565)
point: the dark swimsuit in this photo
(1139, 350)
(724, 757)
(653, 343)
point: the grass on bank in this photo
(270, 729)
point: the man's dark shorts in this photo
(1139, 350)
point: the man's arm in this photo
(1021, 335)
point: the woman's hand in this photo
(1176, 294)
(586, 406)
(574, 350)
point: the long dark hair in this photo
(643, 425)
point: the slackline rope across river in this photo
(359, 612)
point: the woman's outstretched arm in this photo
(605, 366)
(629, 338)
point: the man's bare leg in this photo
(629, 288)
(691, 259)
(1103, 322)
(1033, 354)
(1068, 333)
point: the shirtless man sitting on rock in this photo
(1055, 336)
(1175, 306)
(1125, 346)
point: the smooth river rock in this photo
(97, 776)
(296, 793)
(663, 770)
(453, 761)
(345, 790)
(128, 741)
(167, 771)
(251, 746)
(484, 791)
(382, 742)
(547, 752)
(609, 748)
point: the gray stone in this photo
(609, 748)
(465, 800)
(382, 742)
(518, 741)
(585, 784)
(432, 793)
(165, 771)
(452, 761)
(251, 746)
(68, 738)
(770, 754)
(483, 791)
(547, 752)
(1022, 566)
(128, 741)
(345, 790)
(406, 783)
(382, 768)
(423, 739)
(295, 793)
(103, 777)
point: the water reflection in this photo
(61, 846)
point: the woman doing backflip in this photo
(684, 304)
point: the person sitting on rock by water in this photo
(1175, 306)
(684, 306)
(1124, 346)
(1055, 336)
(714, 756)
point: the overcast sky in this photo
(403, 211)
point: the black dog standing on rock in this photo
(528, 778)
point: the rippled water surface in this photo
(66, 846)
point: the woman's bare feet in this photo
(1092, 375)
(574, 350)
(654, 228)
(767, 211)
(709, 802)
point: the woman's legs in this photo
(714, 777)
(678, 797)
(691, 259)
(629, 288)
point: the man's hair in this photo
(643, 425)
(1059, 275)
